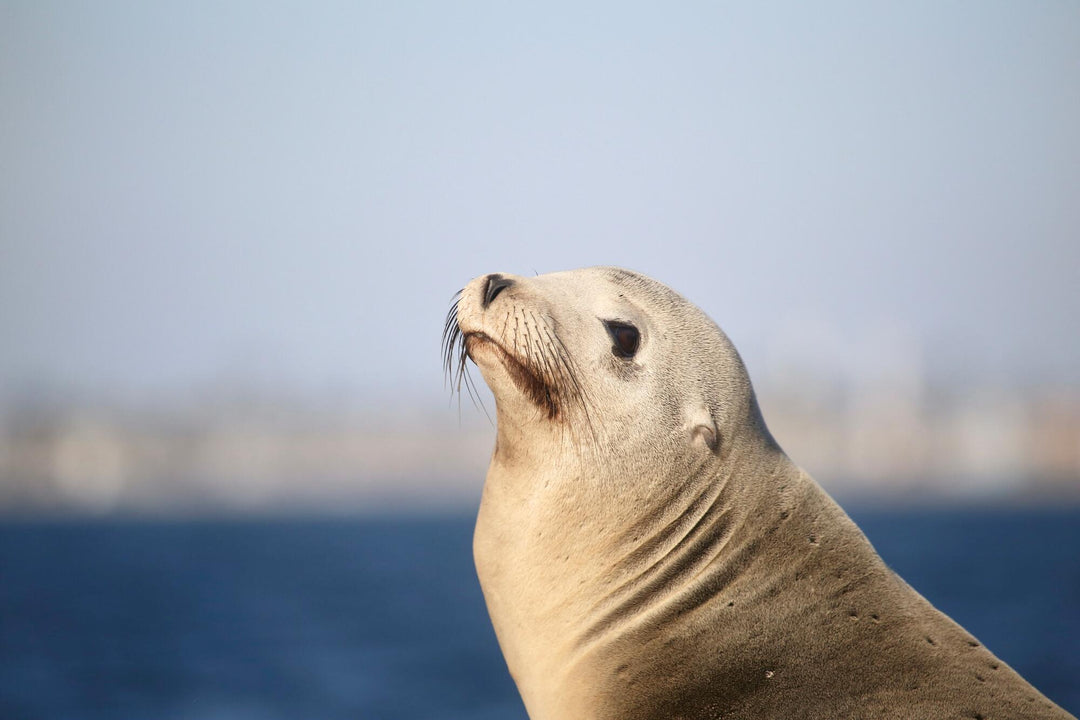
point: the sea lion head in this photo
(601, 366)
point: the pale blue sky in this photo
(293, 191)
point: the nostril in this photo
(495, 284)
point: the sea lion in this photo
(647, 550)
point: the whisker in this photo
(451, 335)
(571, 374)
(455, 356)
(530, 362)
(554, 382)
(568, 378)
(474, 395)
(552, 386)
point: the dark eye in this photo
(626, 338)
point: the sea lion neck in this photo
(591, 583)
(685, 540)
(668, 527)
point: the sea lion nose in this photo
(496, 283)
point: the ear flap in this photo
(703, 429)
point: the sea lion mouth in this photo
(527, 379)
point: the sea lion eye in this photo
(626, 338)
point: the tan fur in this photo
(646, 550)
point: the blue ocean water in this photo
(383, 618)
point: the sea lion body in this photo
(647, 550)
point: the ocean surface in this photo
(382, 618)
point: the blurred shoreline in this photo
(260, 454)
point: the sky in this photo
(288, 194)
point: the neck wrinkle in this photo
(678, 549)
(749, 540)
